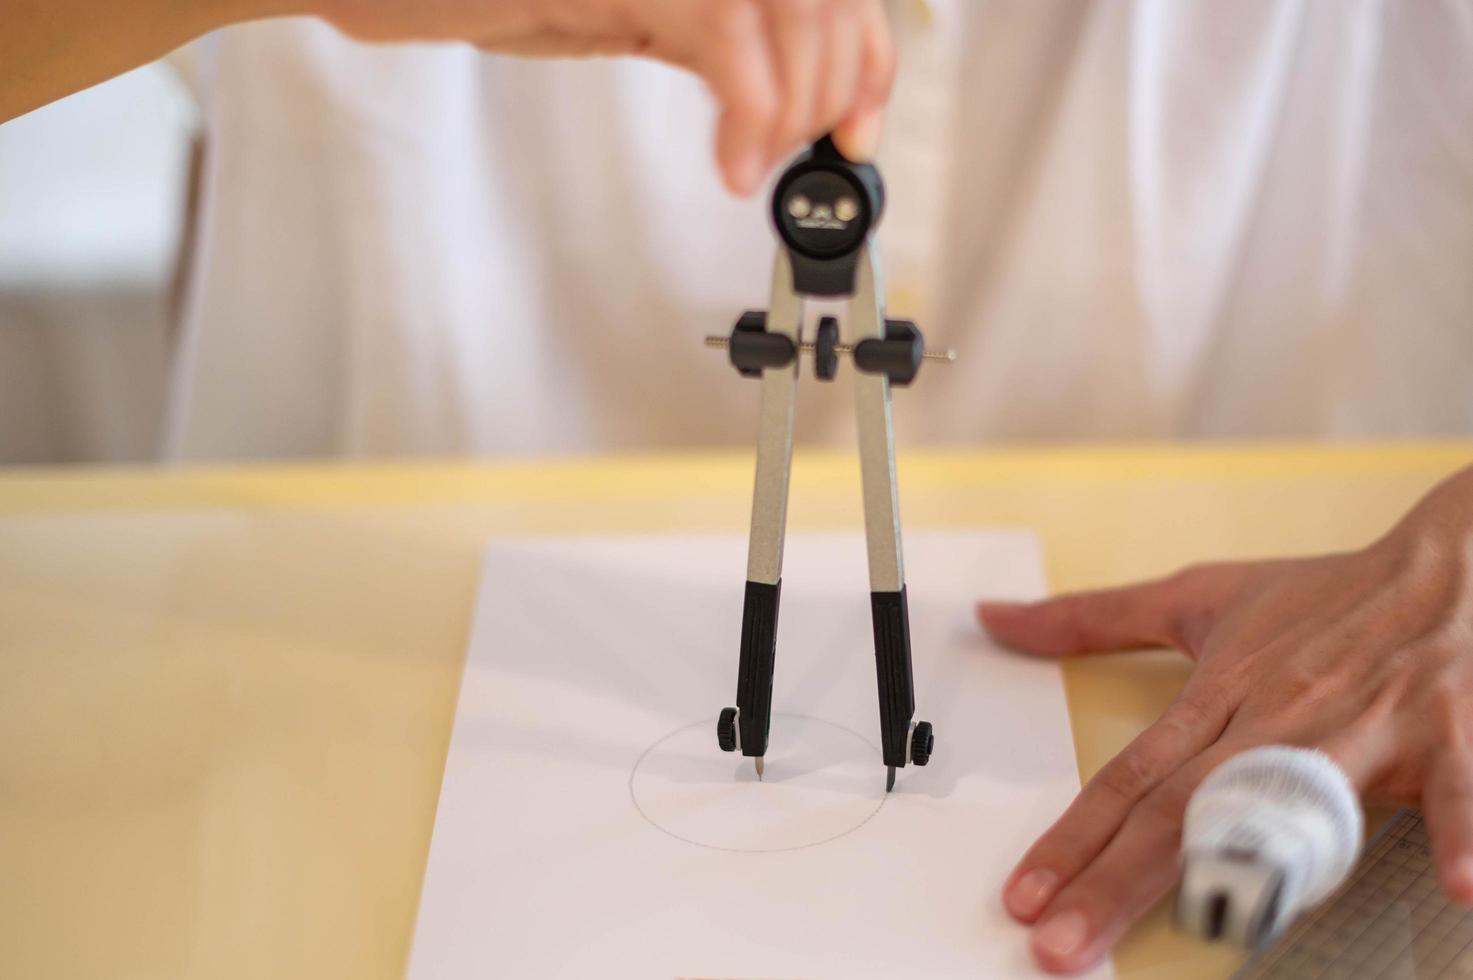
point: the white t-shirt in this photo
(1146, 219)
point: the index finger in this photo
(737, 63)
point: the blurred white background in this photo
(92, 207)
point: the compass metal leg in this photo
(891, 617)
(769, 522)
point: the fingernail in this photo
(1060, 938)
(1027, 895)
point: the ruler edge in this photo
(1263, 958)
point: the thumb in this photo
(1126, 618)
(858, 137)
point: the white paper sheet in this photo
(589, 826)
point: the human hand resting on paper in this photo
(784, 71)
(1367, 656)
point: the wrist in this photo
(199, 18)
(1435, 538)
(1445, 514)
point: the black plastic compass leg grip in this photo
(754, 670)
(893, 671)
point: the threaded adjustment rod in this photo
(810, 348)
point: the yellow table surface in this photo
(226, 694)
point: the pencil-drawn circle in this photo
(821, 782)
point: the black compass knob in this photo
(922, 743)
(726, 731)
(824, 207)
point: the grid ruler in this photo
(1390, 920)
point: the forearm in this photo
(51, 48)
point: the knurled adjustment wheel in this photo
(922, 743)
(825, 352)
(726, 731)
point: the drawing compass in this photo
(825, 209)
